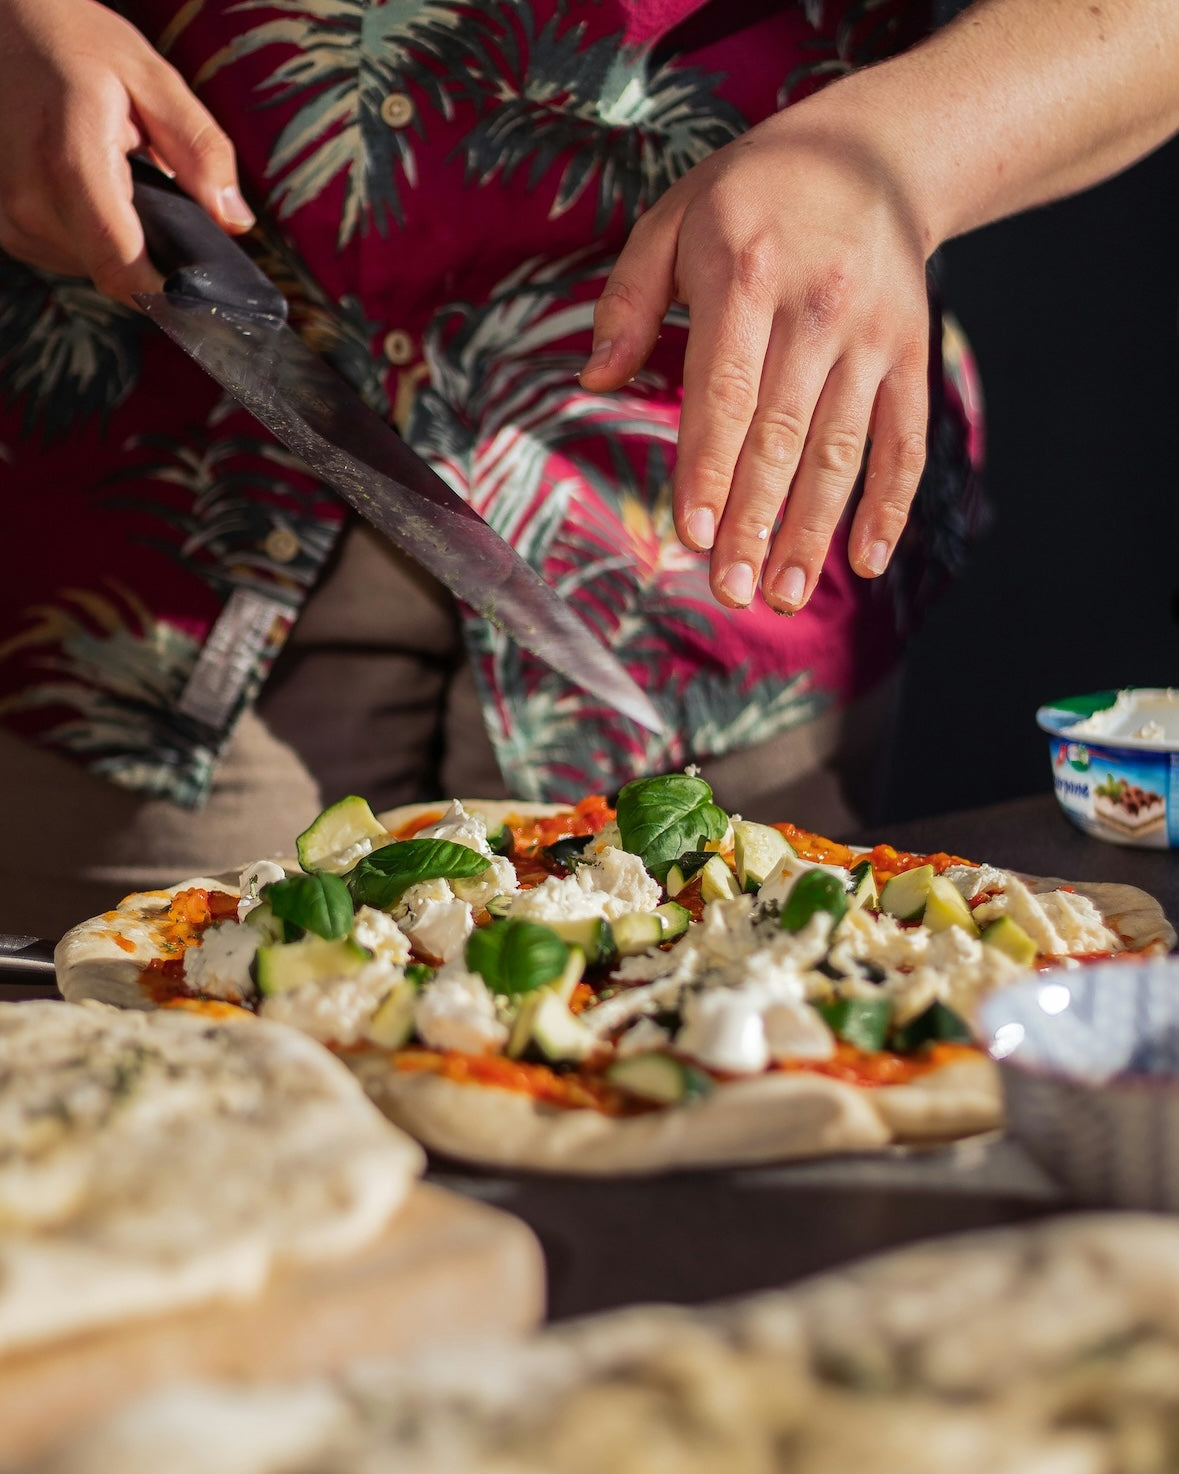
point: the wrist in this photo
(848, 125)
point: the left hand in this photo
(802, 266)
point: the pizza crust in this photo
(770, 1118)
(1136, 916)
(101, 959)
(495, 810)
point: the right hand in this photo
(80, 89)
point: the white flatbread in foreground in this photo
(1043, 1349)
(156, 1160)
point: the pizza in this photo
(640, 987)
(153, 1161)
(1043, 1349)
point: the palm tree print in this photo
(550, 96)
(119, 672)
(66, 350)
(239, 491)
(351, 55)
(866, 32)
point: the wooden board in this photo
(446, 1269)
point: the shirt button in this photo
(397, 110)
(281, 545)
(399, 348)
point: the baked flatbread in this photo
(1053, 1347)
(155, 1160)
(756, 1116)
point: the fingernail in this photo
(600, 357)
(789, 587)
(876, 558)
(234, 209)
(702, 527)
(738, 583)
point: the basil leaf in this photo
(380, 879)
(315, 903)
(660, 818)
(516, 956)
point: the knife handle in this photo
(195, 255)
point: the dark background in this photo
(1073, 313)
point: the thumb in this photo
(187, 140)
(633, 303)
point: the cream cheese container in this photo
(1115, 763)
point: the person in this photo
(648, 293)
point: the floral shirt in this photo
(442, 186)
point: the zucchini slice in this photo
(905, 895)
(638, 931)
(757, 848)
(717, 881)
(863, 887)
(592, 934)
(658, 1078)
(312, 960)
(945, 906)
(676, 919)
(860, 1021)
(686, 868)
(391, 1027)
(544, 1019)
(326, 842)
(1004, 933)
(938, 1024)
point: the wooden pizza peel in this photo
(447, 1269)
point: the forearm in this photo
(1015, 103)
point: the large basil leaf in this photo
(515, 956)
(381, 878)
(660, 818)
(314, 903)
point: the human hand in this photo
(803, 270)
(80, 89)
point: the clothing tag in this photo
(241, 633)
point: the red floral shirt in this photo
(443, 187)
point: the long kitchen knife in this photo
(229, 317)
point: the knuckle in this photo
(732, 391)
(21, 213)
(619, 292)
(836, 453)
(713, 480)
(904, 458)
(753, 268)
(210, 147)
(827, 297)
(777, 436)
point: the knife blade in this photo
(229, 317)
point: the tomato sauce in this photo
(882, 1067)
(189, 915)
(572, 1090)
(588, 816)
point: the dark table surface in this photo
(698, 1236)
